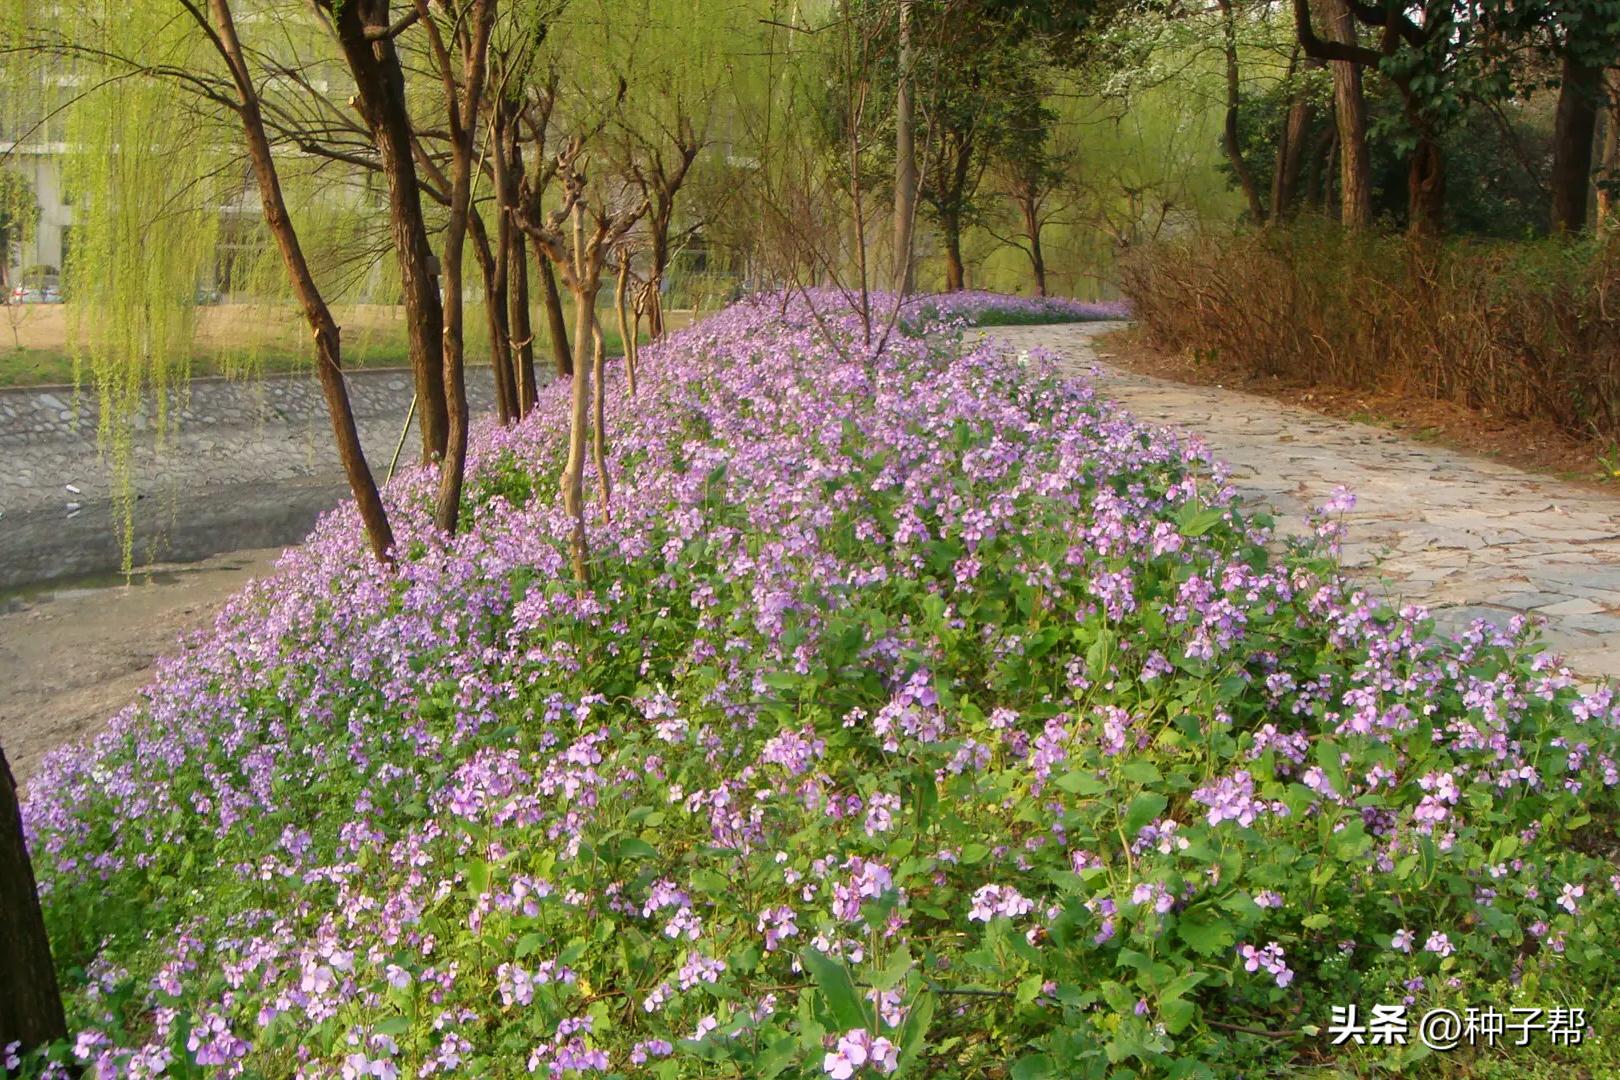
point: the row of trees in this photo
(1406, 110)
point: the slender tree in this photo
(905, 160)
(366, 31)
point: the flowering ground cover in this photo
(927, 717)
(998, 309)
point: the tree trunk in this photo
(1229, 131)
(556, 324)
(604, 487)
(1574, 132)
(328, 356)
(905, 161)
(30, 1002)
(1350, 118)
(1291, 151)
(381, 82)
(658, 235)
(1426, 189)
(573, 473)
(521, 327)
(626, 335)
(1608, 199)
(1029, 209)
(463, 108)
(491, 265)
(955, 275)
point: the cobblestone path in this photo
(1464, 536)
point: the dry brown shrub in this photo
(1529, 329)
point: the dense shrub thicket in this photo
(1525, 329)
(928, 715)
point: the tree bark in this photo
(1291, 151)
(491, 260)
(1229, 131)
(30, 1001)
(1029, 209)
(626, 335)
(462, 105)
(658, 249)
(1426, 188)
(573, 473)
(955, 274)
(1574, 133)
(604, 486)
(328, 356)
(905, 161)
(521, 327)
(556, 323)
(381, 82)
(1350, 118)
(1608, 199)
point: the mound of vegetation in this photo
(926, 715)
(981, 308)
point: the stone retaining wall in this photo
(239, 464)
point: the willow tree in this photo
(153, 157)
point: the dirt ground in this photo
(72, 656)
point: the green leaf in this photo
(1177, 1014)
(1143, 809)
(1142, 772)
(1206, 935)
(635, 848)
(1081, 783)
(1201, 522)
(914, 1033)
(1034, 1067)
(973, 854)
(1097, 655)
(837, 986)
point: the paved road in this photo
(1466, 537)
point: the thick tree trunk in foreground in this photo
(328, 356)
(1350, 117)
(1574, 133)
(377, 73)
(30, 1002)
(556, 324)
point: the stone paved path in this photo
(1465, 536)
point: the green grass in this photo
(22, 367)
